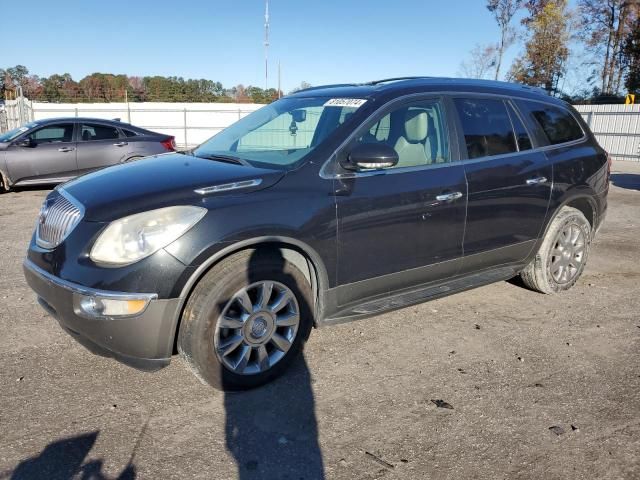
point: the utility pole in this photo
(279, 80)
(266, 45)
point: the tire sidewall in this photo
(198, 330)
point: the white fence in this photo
(190, 123)
(617, 128)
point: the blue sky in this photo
(318, 42)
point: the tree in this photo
(303, 86)
(481, 62)
(631, 58)
(546, 49)
(503, 11)
(605, 25)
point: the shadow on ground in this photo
(65, 459)
(629, 181)
(272, 431)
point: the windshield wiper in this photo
(226, 159)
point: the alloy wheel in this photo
(257, 327)
(567, 254)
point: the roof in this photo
(78, 119)
(407, 85)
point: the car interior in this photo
(415, 133)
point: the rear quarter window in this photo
(558, 124)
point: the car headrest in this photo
(416, 125)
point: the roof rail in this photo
(395, 79)
(335, 85)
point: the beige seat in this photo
(411, 146)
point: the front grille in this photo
(58, 217)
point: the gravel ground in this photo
(511, 363)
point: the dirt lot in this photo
(511, 363)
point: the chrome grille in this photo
(58, 217)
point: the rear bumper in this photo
(143, 341)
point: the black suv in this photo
(329, 205)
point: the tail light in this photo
(169, 144)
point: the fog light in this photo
(96, 307)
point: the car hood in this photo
(160, 181)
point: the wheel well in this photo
(290, 252)
(585, 206)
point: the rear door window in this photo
(486, 127)
(91, 132)
(557, 123)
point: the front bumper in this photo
(143, 341)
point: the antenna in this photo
(266, 45)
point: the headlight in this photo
(135, 237)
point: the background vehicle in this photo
(329, 205)
(56, 150)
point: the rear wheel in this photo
(246, 320)
(563, 254)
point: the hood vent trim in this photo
(226, 187)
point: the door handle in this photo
(120, 144)
(448, 197)
(536, 180)
(66, 149)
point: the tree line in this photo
(106, 87)
(598, 40)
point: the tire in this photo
(204, 340)
(3, 184)
(563, 254)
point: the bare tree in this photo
(604, 27)
(482, 60)
(503, 11)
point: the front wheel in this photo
(3, 183)
(563, 254)
(246, 320)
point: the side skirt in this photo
(421, 294)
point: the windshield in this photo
(280, 134)
(16, 132)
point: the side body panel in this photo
(505, 214)
(42, 163)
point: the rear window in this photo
(92, 132)
(486, 126)
(557, 123)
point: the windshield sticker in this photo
(345, 102)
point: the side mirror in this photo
(370, 156)
(26, 142)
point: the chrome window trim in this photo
(327, 176)
(82, 290)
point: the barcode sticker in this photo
(345, 102)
